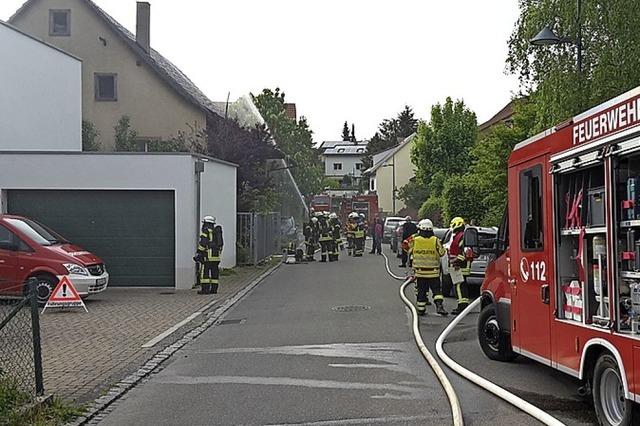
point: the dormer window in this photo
(60, 22)
(340, 149)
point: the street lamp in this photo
(547, 37)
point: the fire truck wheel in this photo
(495, 344)
(612, 408)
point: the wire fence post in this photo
(35, 331)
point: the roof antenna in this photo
(226, 107)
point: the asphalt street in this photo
(327, 344)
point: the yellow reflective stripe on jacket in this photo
(426, 256)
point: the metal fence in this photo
(20, 352)
(258, 237)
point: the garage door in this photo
(132, 231)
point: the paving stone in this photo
(85, 354)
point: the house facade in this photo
(343, 158)
(121, 73)
(43, 102)
(392, 169)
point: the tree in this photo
(441, 153)
(250, 149)
(489, 161)
(390, 132)
(345, 132)
(611, 56)
(89, 137)
(294, 139)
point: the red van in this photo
(29, 249)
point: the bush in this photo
(125, 136)
(89, 137)
(432, 209)
(460, 198)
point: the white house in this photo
(40, 94)
(343, 158)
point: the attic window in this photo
(340, 149)
(60, 22)
(360, 150)
(106, 88)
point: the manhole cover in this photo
(351, 308)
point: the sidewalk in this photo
(86, 353)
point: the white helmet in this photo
(209, 219)
(353, 215)
(425, 225)
(362, 215)
(326, 214)
(333, 216)
(408, 218)
(314, 220)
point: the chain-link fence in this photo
(259, 235)
(20, 353)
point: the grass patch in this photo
(17, 409)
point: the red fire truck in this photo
(564, 289)
(343, 205)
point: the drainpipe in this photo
(199, 169)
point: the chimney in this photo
(143, 22)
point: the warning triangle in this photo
(64, 295)
(65, 292)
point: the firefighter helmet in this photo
(362, 215)
(353, 215)
(333, 216)
(425, 225)
(314, 220)
(408, 218)
(456, 222)
(209, 219)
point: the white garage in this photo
(140, 212)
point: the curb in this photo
(125, 385)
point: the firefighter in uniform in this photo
(325, 237)
(352, 224)
(460, 262)
(335, 225)
(359, 236)
(208, 255)
(309, 239)
(427, 250)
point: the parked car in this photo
(29, 249)
(487, 237)
(390, 225)
(396, 239)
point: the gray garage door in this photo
(132, 231)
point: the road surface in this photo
(325, 344)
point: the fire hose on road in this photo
(456, 410)
(509, 397)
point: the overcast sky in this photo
(355, 60)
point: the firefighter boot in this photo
(461, 307)
(440, 309)
(214, 289)
(204, 289)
